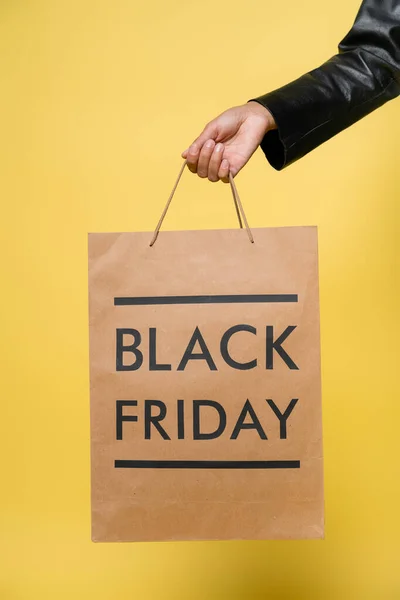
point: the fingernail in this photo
(193, 149)
(209, 144)
(219, 147)
(225, 164)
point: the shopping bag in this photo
(205, 384)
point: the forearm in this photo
(361, 78)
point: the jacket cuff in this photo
(276, 142)
(291, 106)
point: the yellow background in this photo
(98, 99)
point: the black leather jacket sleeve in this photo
(360, 78)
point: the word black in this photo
(125, 346)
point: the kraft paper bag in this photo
(205, 384)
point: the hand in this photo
(228, 142)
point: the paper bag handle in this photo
(236, 199)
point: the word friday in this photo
(155, 411)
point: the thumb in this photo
(209, 132)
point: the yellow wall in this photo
(98, 98)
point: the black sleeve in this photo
(360, 78)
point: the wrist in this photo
(259, 109)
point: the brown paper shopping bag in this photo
(205, 384)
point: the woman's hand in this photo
(228, 142)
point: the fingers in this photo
(210, 132)
(204, 158)
(215, 162)
(192, 154)
(223, 172)
(192, 157)
(208, 162)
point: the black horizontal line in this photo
(207, 464)
(224, 299)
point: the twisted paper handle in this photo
(238, 205)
